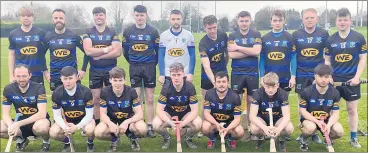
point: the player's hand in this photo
(354, 81)
(277, 131)
(321, 124)
(189, 78)
(113, 128)
(124, 125)
(292, 82)
(268, 131)
(11, 79)
(71, 128)
(232, 47)
(219, 127)
(161, 80)
(81, 74)
(224, 131)
(13, 129)
(179, 124)
(327, 129)
(47, 76)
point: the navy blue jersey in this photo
(320, 104)
(309, 50)
(249, 64)
(215, 50)
(119, 108)
(141, 45)
(63, 50)
(223, 110)
(178, 102)
(25, 103)
(102, 40)
(345, 53)
(276, 102)
(73, 106)
(276, 52)
(29, 49)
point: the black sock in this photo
(130, 134)
(97, 121)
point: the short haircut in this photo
(323, 69)
(270, 79)
(308, 10)
(178, 12)
(221, 74)
(244, 14)
(278, 13)
(140, 9)
(68, 71)
(117, 72)
(176, 67)
(98, 10)
(342, 12)
(210, 19)
(25, 11)
(58, 10)
(22, 66)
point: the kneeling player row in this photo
(121, 111)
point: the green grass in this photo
(154, 144)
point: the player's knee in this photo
(337, 130)
(156, 123)
(99, 132)
(141, 128)
(89, 131)
(41, 126)
(206, 128)
(197, 123)
(239, 132)
(4, 135)
(3, 127)
(352, 111)
(54, 133)
(309, 129)
(289, 129)
(255, 130)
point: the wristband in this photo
(106, 50)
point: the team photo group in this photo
(250, 101)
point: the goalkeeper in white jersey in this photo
(176, 45)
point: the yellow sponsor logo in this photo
(27, 110)
(179, 108)
(343, 58)
(99, 46)
(175, 52)
(74, 114)
(140, 47)
(276, 56)
(121, 115)
(217, 57)
(309, 52)
(319, 114)
(61, 52)
(29, 50)
(221, 117)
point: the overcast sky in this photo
(229, 8)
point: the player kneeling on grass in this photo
(75, 101)
(270, 95)
(120, 112)
(222, 104)
(29, 99)
(177, 98)
(320, 99)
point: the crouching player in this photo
(222, 105)
(320, 99)
(75, 101)
(177, 98)
(120, 112)
(271, 96)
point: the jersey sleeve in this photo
(55, 98)
(115, 37)
(304, 99)
(237, 109)
(88, 99)
(125, 44)
(86, 35)
(328, 48)
(363, 45)
(231, 39)
(41, 98)
(202, 50)
(11, 42)
(257, 38)
(207, 101)
(157, 40)
(193, 97)
(163, 95)
(256, 97)
(284, 97)
(79, 43)
(135, 100)
(103, 98)
(336, 101)
(5, 97)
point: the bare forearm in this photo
(110, 55)
(210, 74)
(105, 118)
(210, 119)
(360, 67)
(308, 116)
(234, 123)
(334, 118)
(190, 118)
(7, 119)
(94, 52)
(257, 122)
(136, 117)
(11, 62)
(236, 55)
(250, 51)
(32, 119)
(163, 116)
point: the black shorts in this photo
(179, 114)
(145, 72)
(238, 82)
(55, 82)
(349, 93)
(206, 84)
(98, 78)
(275, 119)
(27, 130)
(302, 83)
(38, 79)
(285, 86)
